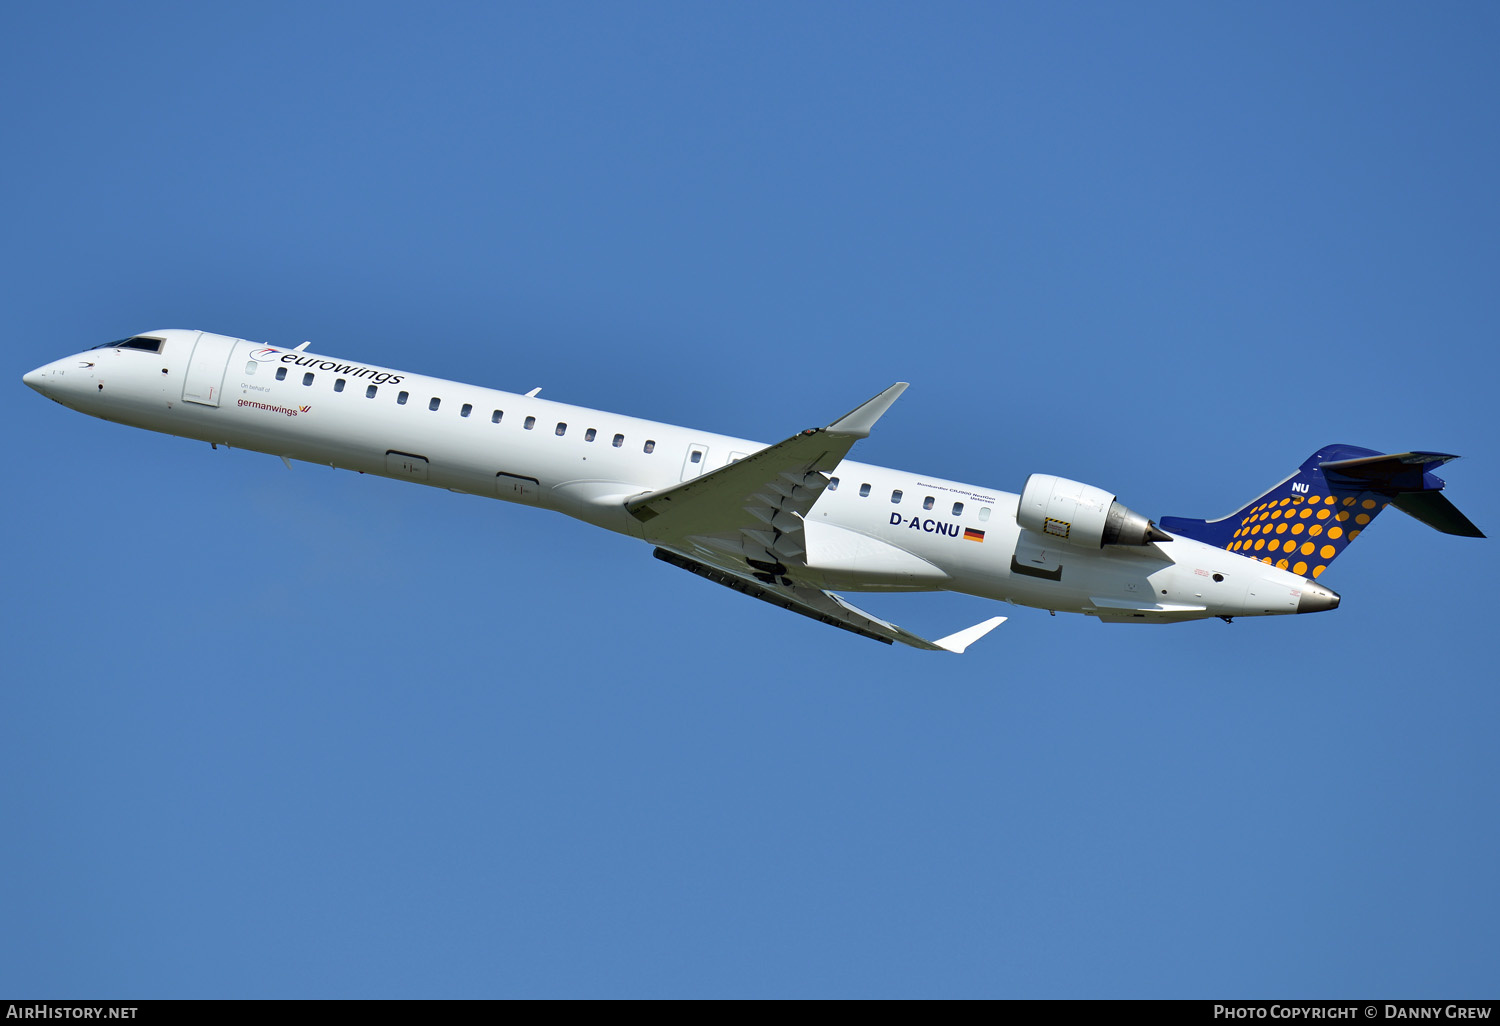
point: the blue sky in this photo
(309, 734)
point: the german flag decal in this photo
(972, 535)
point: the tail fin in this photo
(1303, 523)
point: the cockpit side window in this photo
(150, 345)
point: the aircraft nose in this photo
(1315, 599)
(36, 378)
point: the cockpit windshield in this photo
(150, 345)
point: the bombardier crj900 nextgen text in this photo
(789, 523)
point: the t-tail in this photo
(1303, 523)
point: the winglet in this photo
(861, 419)
(956, 643)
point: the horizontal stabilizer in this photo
(1407, 479)
(1434, 510)
(1399, 472)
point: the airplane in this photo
(792, 523)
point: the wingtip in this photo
(956, 643)
(862, 418)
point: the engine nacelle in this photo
(1081, 515)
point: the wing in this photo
(751, 511)
(743, 523)
(826, 607)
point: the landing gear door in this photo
(204, 381)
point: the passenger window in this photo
(864, 491)
(280, 373)
(588, 436)
(307, 379)
(250, 367)
(495, 417)
(562, 429)
(401, 398)
(435, 403)
(650, 445)
(927, 502)
(530, 423)
(619, 441)
(896, 495)
(338, 385)
(468, 408)
(984, 512)
(370, 392)
(696, 457)
(958, 509)
(833, 484)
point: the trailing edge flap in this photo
(774, 486)
(826, 607)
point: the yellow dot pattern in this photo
(1329, 518)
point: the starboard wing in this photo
(825, 606)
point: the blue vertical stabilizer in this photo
(1303, 523)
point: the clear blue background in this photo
(315, 734)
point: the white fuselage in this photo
(936, 535)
